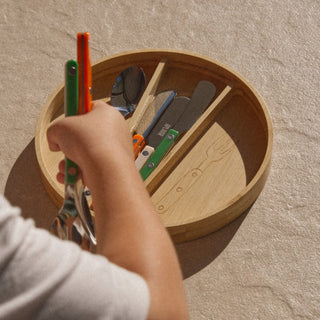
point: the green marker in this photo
(71, 109)
(160, 152)
(62, 224)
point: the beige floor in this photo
(266, 264)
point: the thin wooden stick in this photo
(147, 97)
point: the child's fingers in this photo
(60, 177)
(61, 173)
(62, 166)
(52, 138)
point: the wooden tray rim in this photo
(97, 67)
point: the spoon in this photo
(128, 89)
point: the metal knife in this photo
(200, 100)
(161, 151)
(154, 112)
(167, 121)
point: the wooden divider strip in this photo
(147, 97)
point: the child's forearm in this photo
(130, 234)
(129, 231)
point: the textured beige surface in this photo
(266, 264)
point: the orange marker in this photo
(85, 73)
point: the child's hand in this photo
(91, 140)
(61, 173)
(129, 231)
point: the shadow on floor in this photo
(24, 189)
(197, 254)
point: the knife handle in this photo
(143, 157)
(85, 73)
(164, 146)
(138, 143)
(159, 113)
(71, 109)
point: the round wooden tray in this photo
(218, 168)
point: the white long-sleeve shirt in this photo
(42, 277)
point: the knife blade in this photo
(167, 121)
(200, 99)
